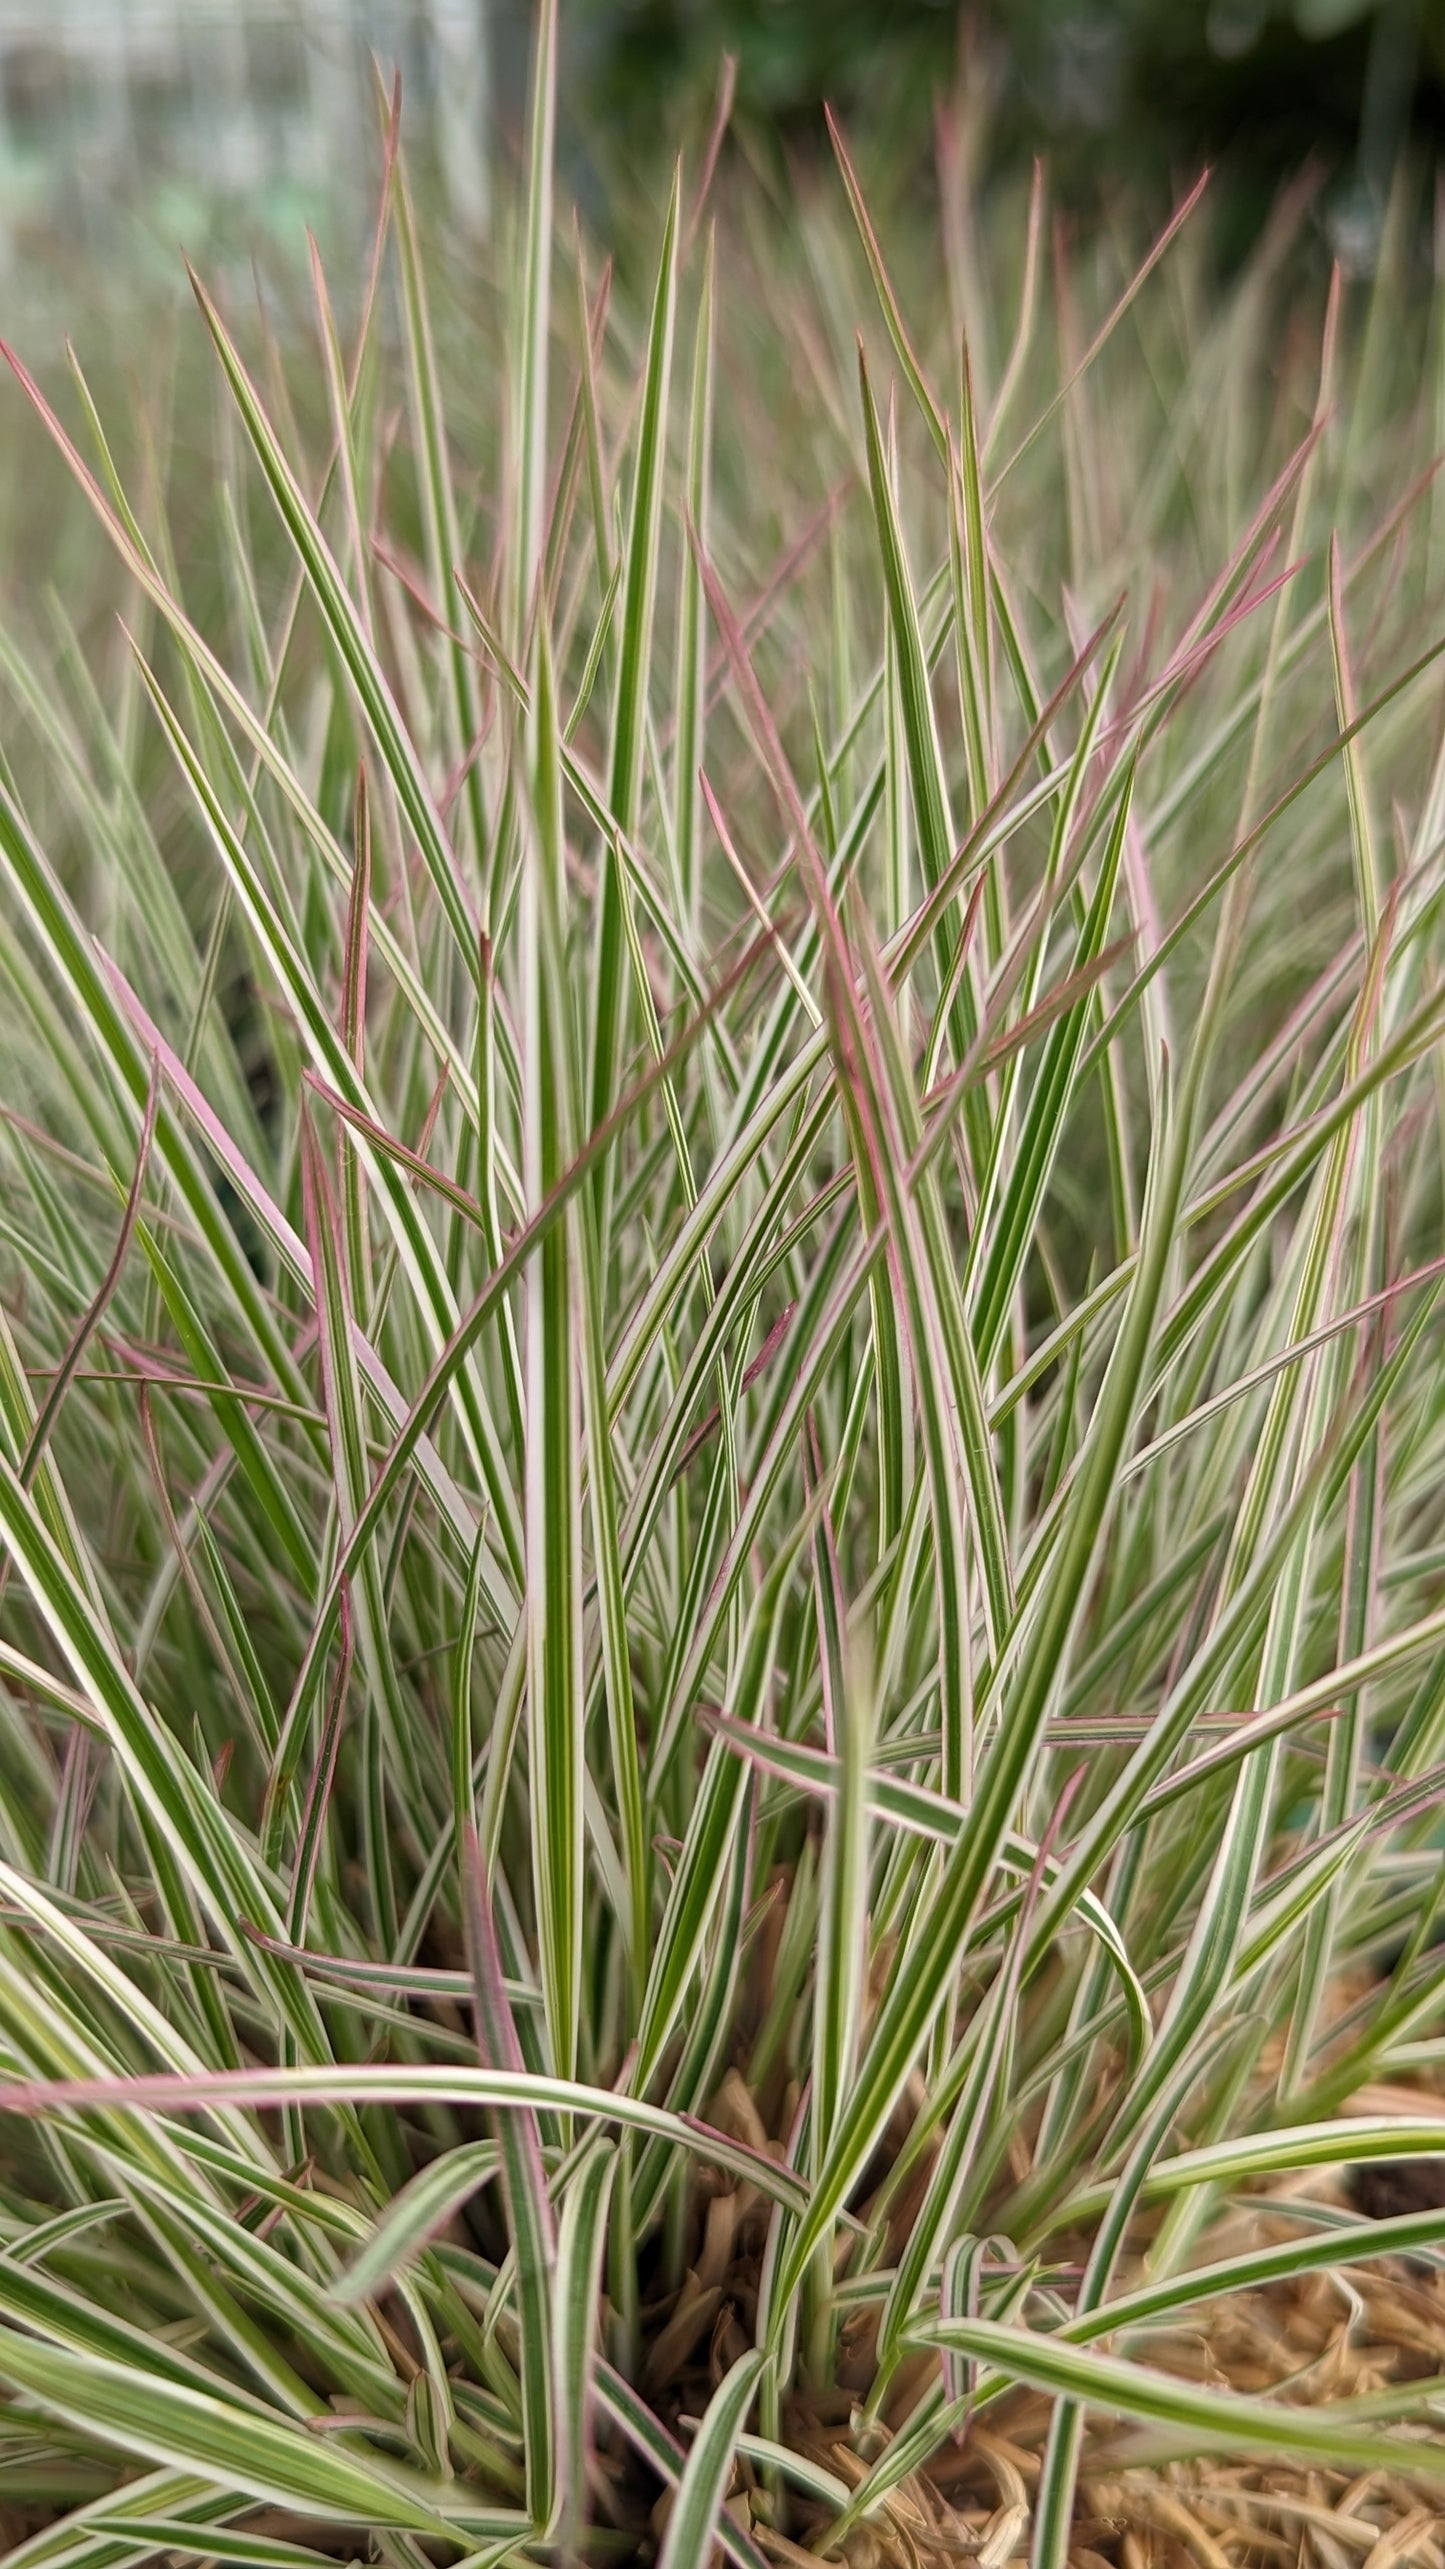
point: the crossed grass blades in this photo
(722, 1636)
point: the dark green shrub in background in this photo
(1130, 89)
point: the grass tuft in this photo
(722, 1631)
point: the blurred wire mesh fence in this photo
(129, 126)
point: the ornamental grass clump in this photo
(722, 1436)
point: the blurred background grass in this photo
(130, 127)
(132, 131)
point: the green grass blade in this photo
(692, 2521)
(629, 718)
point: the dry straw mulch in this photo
(1367, 2335)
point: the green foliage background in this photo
(1109, 88)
